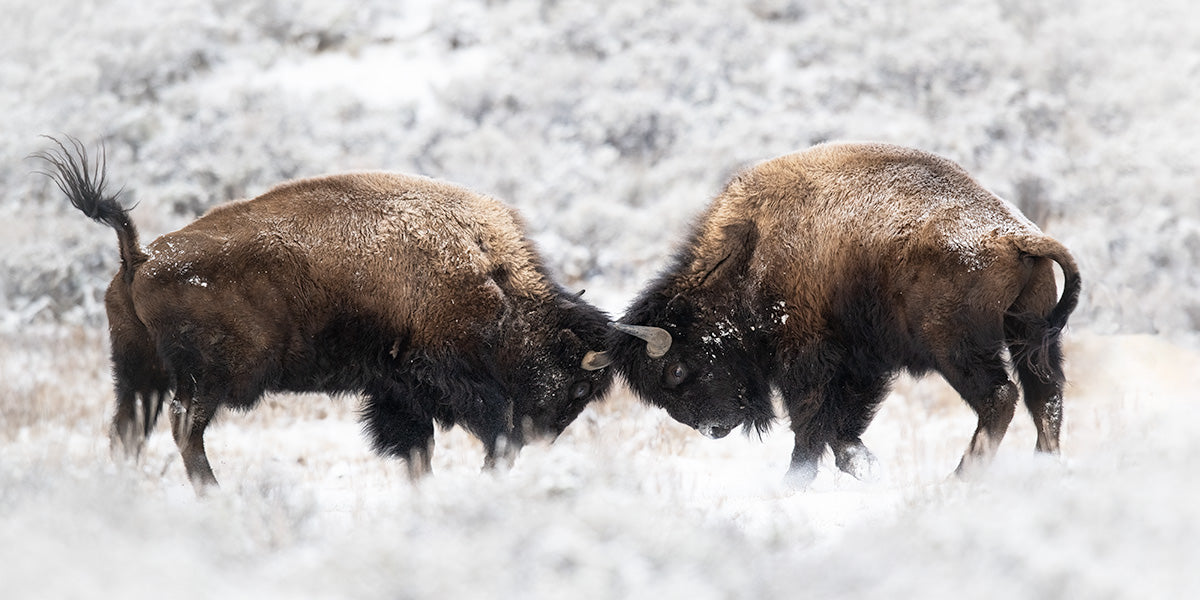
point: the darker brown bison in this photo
(424, 297)
(823, 274)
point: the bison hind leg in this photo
(1037, 355)
(968, 348)
(127, 437)
(995, 413)
(1038, 360)
(137, 410)
(993, 397)
(142, 385)
(1044, 400)
(191, 413)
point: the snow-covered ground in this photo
(626, 504)
(609, 125)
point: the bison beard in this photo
(823, 274)
(425, 298)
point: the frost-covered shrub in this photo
(610, 124)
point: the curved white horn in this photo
(658, 340)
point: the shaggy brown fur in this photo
(822, 273)
(425, 297)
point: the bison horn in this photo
(594, 361)
(658, 340)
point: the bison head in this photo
(560, 368)
(700, 365)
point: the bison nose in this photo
(714, 430)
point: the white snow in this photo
(625, 504)
(609, 125)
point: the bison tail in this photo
(1035, 337)
(1046, 247)
(82, 179)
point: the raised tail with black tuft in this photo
(142, 380)
(82, 179)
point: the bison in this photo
(823, 274)
(424, 297)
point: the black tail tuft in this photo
(82, 180)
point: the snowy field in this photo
(609, 125)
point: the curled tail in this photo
(1035, 335)
(1047, 247)
(82, 180)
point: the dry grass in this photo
(56, 382)
(53, 376)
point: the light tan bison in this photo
(822, 274)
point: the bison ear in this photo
(723, 261)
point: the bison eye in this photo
(580, 390)
(674, 374)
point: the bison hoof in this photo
(856, 460)
(800, 475)
(502, 456)
(714, 430)
(126, 449)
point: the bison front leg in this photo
(811, 438)
(500, 453)
(501, 441)
(806, 457)
(850, 456)
(468, 396)
(399, 428)
(834, 415)
(853, 409)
